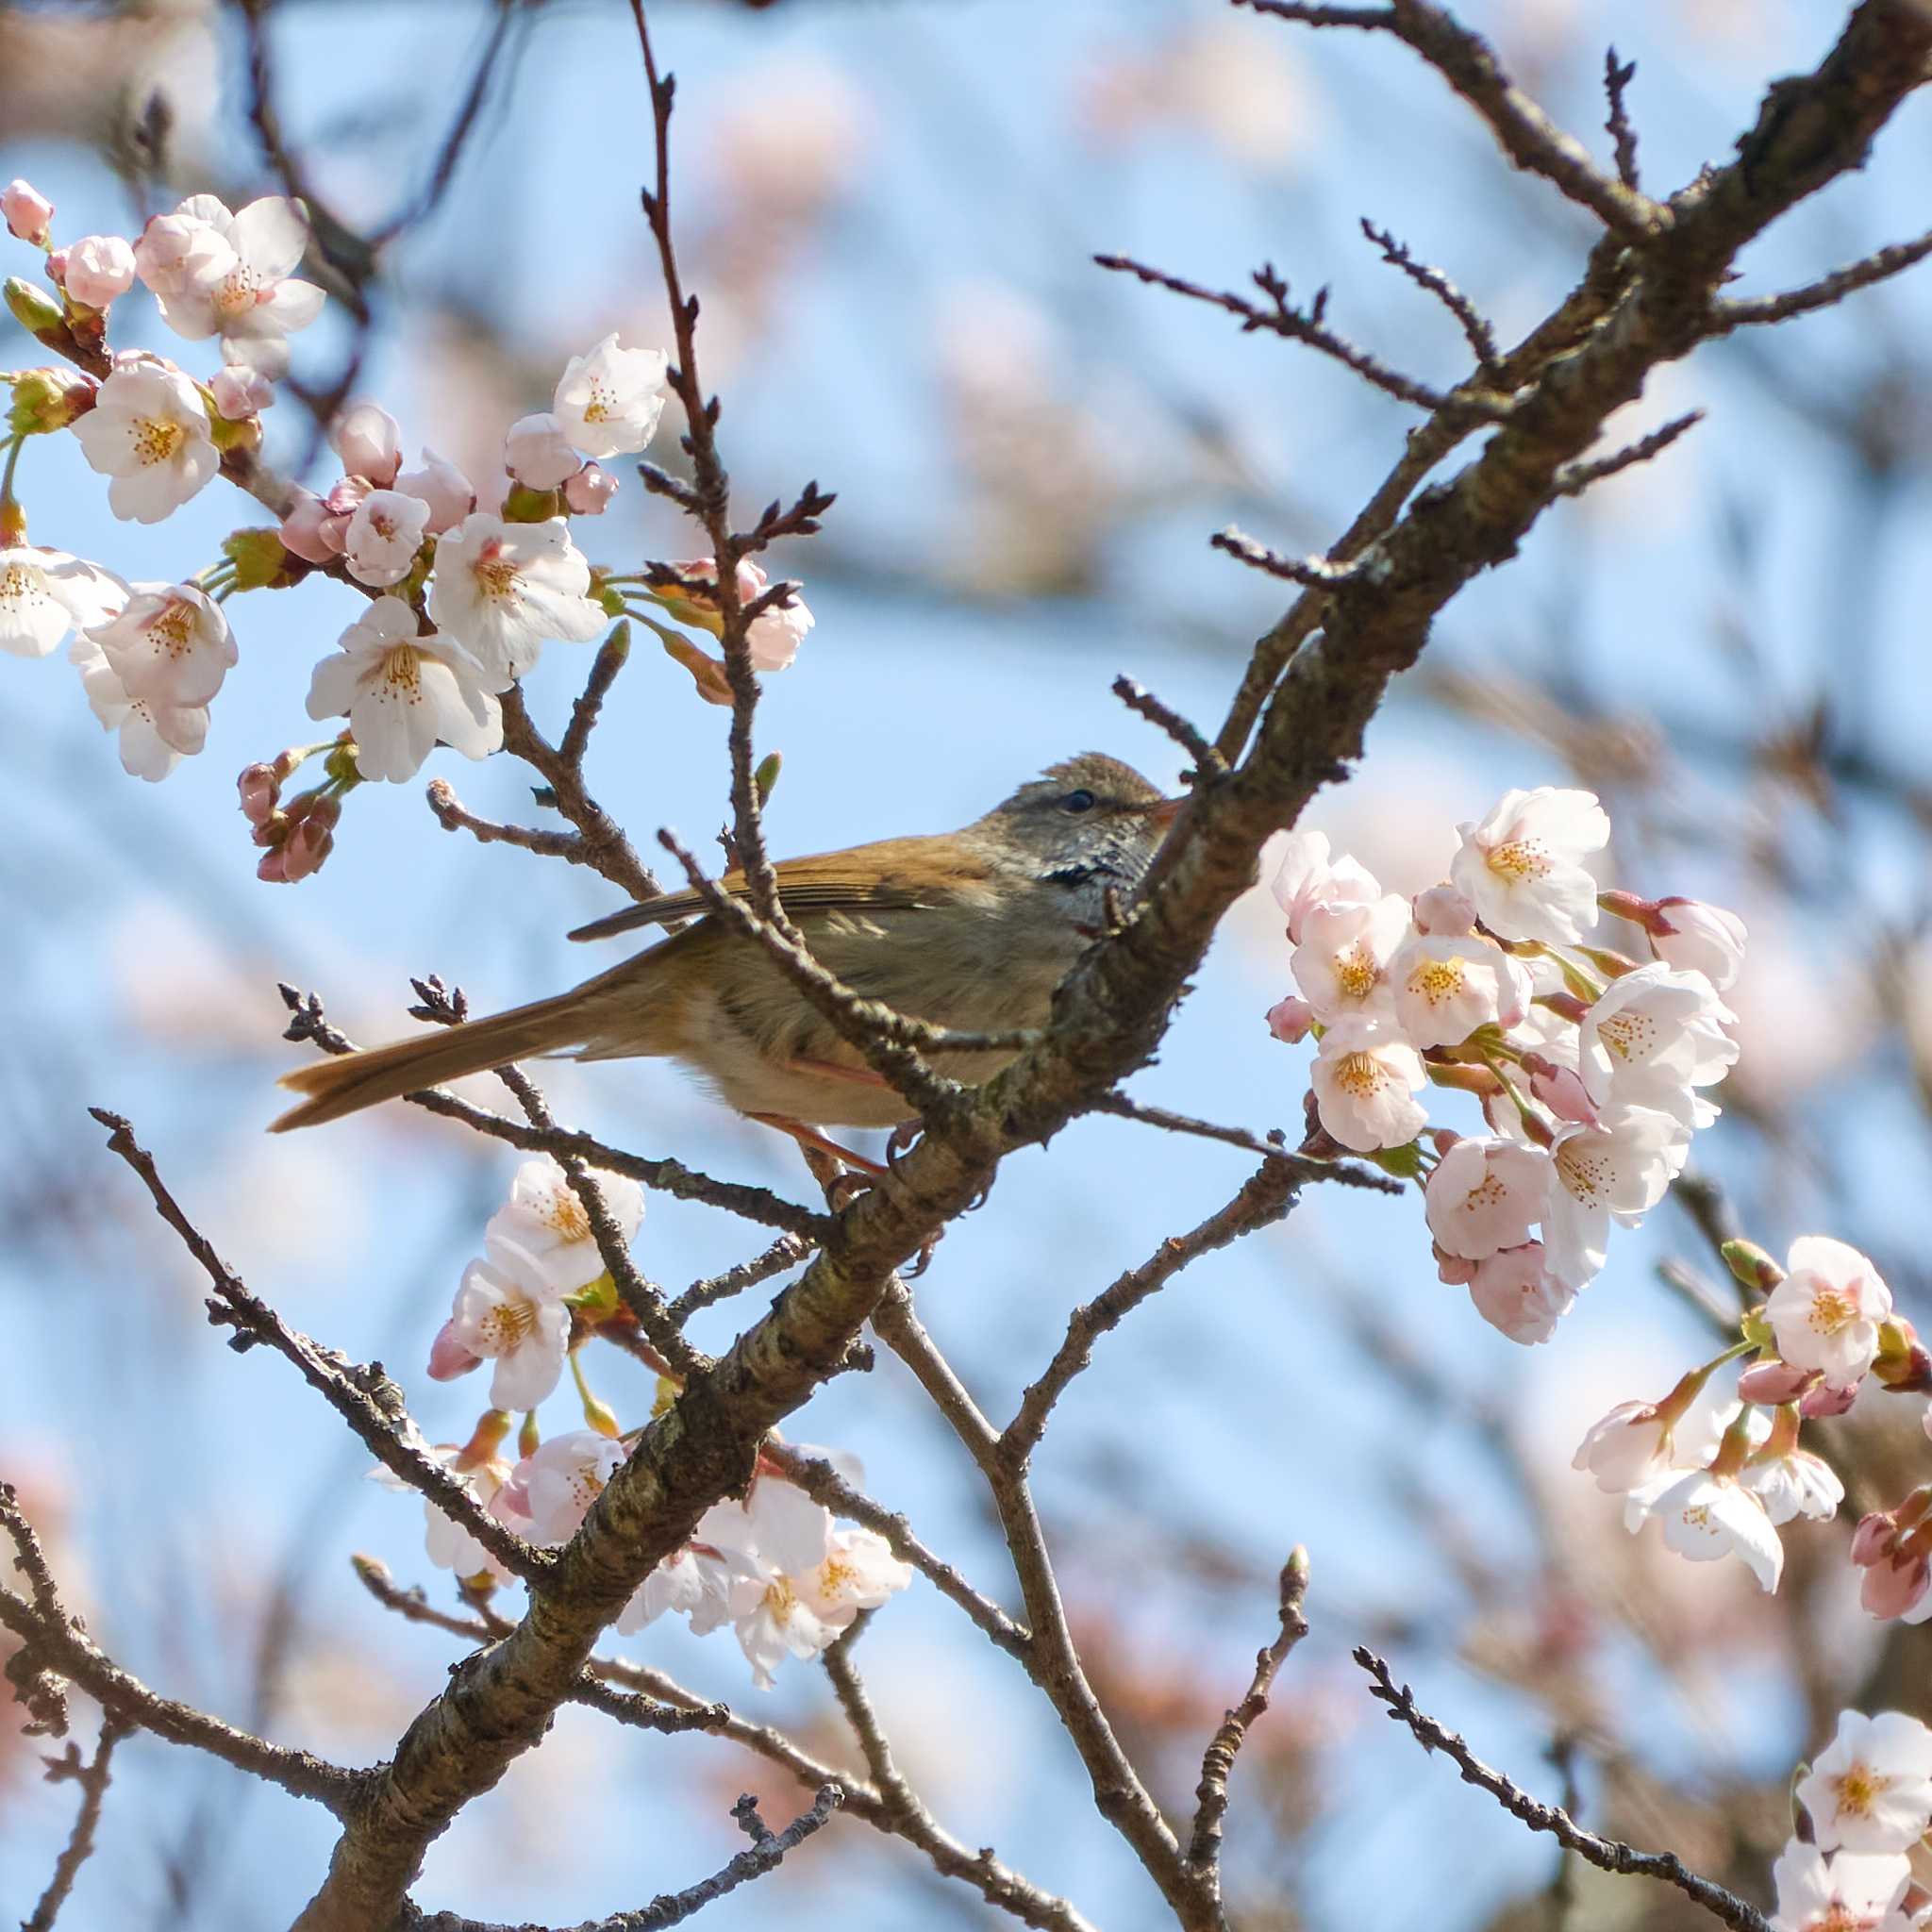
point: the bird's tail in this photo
(349, 1082)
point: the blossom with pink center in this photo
(1341, 961)
(548, 1494)
(154, 736)
(1848, 1893)
(169, 644)
(1697, 938)
(1705, 1516)
(369, 442)
(607, 402)
(442, 487)
(1826, 1310)
(230, 275)
(401, 690)
(1445, 988)
(1516, 1294)
(149, 431)
(1484, 1195)
(506, 1312)
(1653, 1037)
(1523, 866)
(1291, 1019)
(547, 1221)
(590, 489)
(502, 589)
(241, 392)
(1620, 1168)
(383, 536)
(538, 453)
(1307, 879)
(1365, 1081)
(99, 269)
(27, 212)
(1870, 1790)
(775, 635)
(46, 594)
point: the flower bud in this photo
(369, 442)
(49, 399)
(1560, 1089)
(588, 492)
(523, 504)
(313, 531)
(1696, 937)
(1901, 1363)
(529, 1437)
(39, 314)
(1444, 912)
(537, 453)
(1752, 1265)
(765, 779)
(1773, 1382)
(241, 392)
(28, 212)
(486, 1439)
(1824, 1401)
(444, 487)
(96, 270)
(260, 559)
(1291, 1019)
(260, 791)
(448, 1358)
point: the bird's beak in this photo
(1166, 811)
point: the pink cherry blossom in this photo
(98, 269)
(589, 490)
(506, 1312)
(1705, 1516)
(550, 1491)
(1653, 1038)
(547, 1221)
(1342, 962)
(1444, 912)
(1306, 879)
(169, 644)
(1291, 1019)
(502, 589)
(1523, 866)
(1620, 1168)
(608, 401)
(442, 487)
(1851, 1892)
(1870, 1790)
(154, 736)
(149, 431)
(1517, 1295)
(383, 536)
(1826, 1310)
(241, 392)
(1365, 1081)
(1697, 938)
(46, 594)
(1445, 988)
(1484, 1195)
(369, 442)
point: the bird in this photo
(970, 930)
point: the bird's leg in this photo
(812, 1140)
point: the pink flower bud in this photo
(538, 453)
(57, 267)
(312, 532)
(444, 487)
(369, 442)
(270, 870)
(1559, 1089)
(347, 494)
(588, 492)
(1893, 1586)
(27, 212)
(312, 837)
(1291, 1019)
(1873, 1538)
(448, 1358)
(260, 792)
(1773, 1382)
(1443, 912)
(241, 392)
(1453, 1269)
(1696, 937)
(1825, 1401)
(98, 269)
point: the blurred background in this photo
(889, 212)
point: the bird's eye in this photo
(1077, 802)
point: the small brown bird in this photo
(970, 929)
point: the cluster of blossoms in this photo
(467, 582)
(775, 1567)
(1862, 1808)
(1591, 1066)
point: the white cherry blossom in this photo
(1341, 964)
(1621, 1167)
(1653, 1038)
(170, 644)
(149, 431)
(449, 1545)
(1484, 1195)
(154, 736)
(1705, 1516)
(607, 402)
(1444, 988)
(383, 536)
(1700, 939)
(547, 1222)
(1365, 1081)
(1850, 1893)
(1795, 1483)
(1826, 1310)
(503, 589)
(442, 487)
(1306, 879)
(46, 594)
(1870, 1790)
(538, 453)
(548, 1494)
(402, 691)
(1516, 1294)
(1523, 866)
(506, 1312)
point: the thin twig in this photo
(1617, 78)
(361, 1394)
(93, 1779)
(612, 654)
(1476, 328)
(1217, 1763)
(785, 1252)
(452, 816)
(1607, 1854)
(1313, 572)
(1753, 310)
(1574, 479)
(1304, 1169)
(1209, 763)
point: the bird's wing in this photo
(892, 874)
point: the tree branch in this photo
(93, 1779)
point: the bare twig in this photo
(1217, 1764)
(1751, 311)
(1303, 1166)
(1209, 763)
(91, 1776)
(1608, 1854)
(1476, 328)
(1313, 573)
(452, 816)
(785, 1252)
(612, 654)
(1574, 479)
(1617, 78)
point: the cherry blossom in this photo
(710, 1586)
(402, 691)
(1696, 937)
(46, 594)
(1705, 1516)
(607, 402)
(27, 211)
(1826, 1310)
(442, 487)
(1638, 1443)
(1365, 1080)
(1515, 1293)
(170, 644)
(1890, 1546)
(154, 736)
(538, 453)
(1306, 879)
(241, 392)
(1443, 912)
(502, 589)
(589, 491)
(448, 1545)
(1444, 988)
(1622, 1168)
(1654, 1037)
(1793, 1483)
(1341, 964)
(774, 636)
(149, 431)
(545, 1219)
(1523, 866)
(548, 1494)
(383, 536)
(230, 275)
(506, 1312)
(1870, 1790)
(98, 269)
(1485, 1195)
(369, 442)
(1846, 1893)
